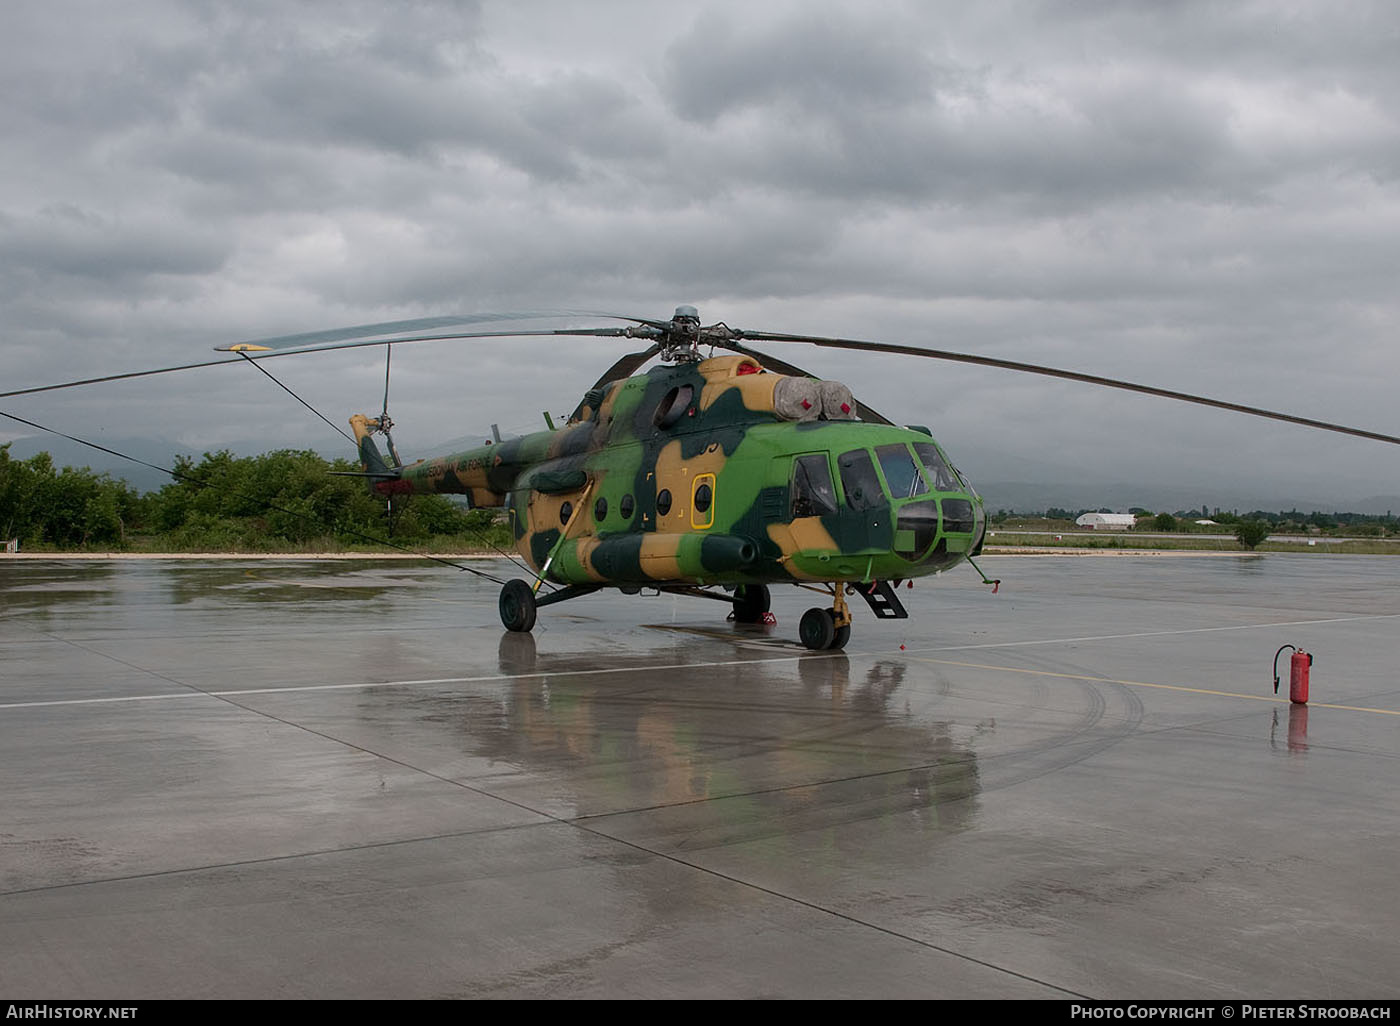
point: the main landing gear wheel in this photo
(818, 629)
(751, 601)
(517, 606)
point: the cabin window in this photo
(813, 493)
(626, 506)
(938, 472)
(916, 529)
(673, 407)
(702, 502)
(600, 508)
(858, 480)
(663, 501)
(958, 515)
(901, 472)
(565, 512)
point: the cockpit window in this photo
(813, 493)
(901, 472)
(938, 472)
(859, 480)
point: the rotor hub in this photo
(681, 341)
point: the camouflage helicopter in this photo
(715, 476)
(712, 475)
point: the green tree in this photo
(288, 498)
(66, 508)
(1164, 522)
(1250, 533)
(17, 495)
(278, 500)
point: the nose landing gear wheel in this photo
(517, 606)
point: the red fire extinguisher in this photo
(1298, 669)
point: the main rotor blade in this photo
(324, 339)
(861, 345)
(260, 351)
(624, 367)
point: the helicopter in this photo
(717, 476)
(709, 475)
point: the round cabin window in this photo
(600, 508)
(704, 495)
(565, 512)
(626, 506)
(663, 501)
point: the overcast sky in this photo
(1199, 196)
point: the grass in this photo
(1001, 539)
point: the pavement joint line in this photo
(547, 674)
(483, 679)
(1274, 699)
(1158, 634)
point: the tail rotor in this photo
(385, 424)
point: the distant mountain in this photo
(1377, 505)
(158, 451)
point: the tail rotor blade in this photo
(385, 424)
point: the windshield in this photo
(901, 472)
(938, 472)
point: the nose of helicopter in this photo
(939, 530)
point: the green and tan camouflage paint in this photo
(723, 433)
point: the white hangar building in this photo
(1107, 521)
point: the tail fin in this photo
(371, 459)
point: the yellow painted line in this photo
(1148, 684)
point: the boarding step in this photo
(883, 602)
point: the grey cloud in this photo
(869, 105)
(813, 61)
(68, 240)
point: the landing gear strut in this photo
(823, 629)
(519, 602)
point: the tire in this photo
(843, 635)
(751, 601)
(517, 606)
(817, 629)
